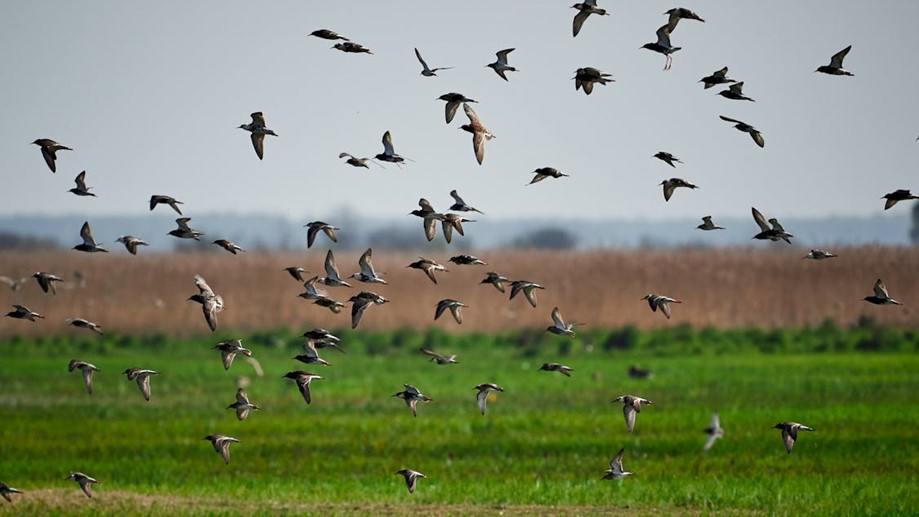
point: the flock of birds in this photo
(317, 339)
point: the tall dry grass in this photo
(758, 287)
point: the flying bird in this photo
(773, 233)
(360, 302)
(89, 245)
(680, 13)
(428, 72)
(295, 272)
(500, 66)
(528, 289)
(352, 48)
(142, 377)
(735, 92)
(819, 255)
(896, 196)
(615, 470)
(411, 396)
(315, 227)
(790, 433)
(229, 246)
(667, 158)
(661, 302)
(717, 77)
(835, 67)
(453, 101)
(303, 379)
(310, 355)
(556, 367)
(229, 349)
(481, 397)
(631, 406)
(449, 222)
(242, 405)
(46, 281)
(439, 359)
(479, 133)
(389, 153)
(496, 280)
(357, 162)
(880, 296)
(367, 274)
(23, 313)
(85, 324)
(328, 34)
(332, 277)
(585, 9)
(587, 76)
(87, 370)
(81, 189)
(211, 303)
(663, 46)
(131, 243)
(459, 205)
(559, 327)
(746, 128)
(258, 131)
(84, 481)
(454, 306)
(49, 149)
(467, 260)
(707, 224)
(221, 443)
(183, 231)
(6, 491)
(546, 172)
(428, 266)
(411, 478)
(157, 199)
(674, 183)
(713, 431)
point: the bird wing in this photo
(303, 383)
(431, 353)
(473, 118)
(478, 146)
(450, 110)
(49, 155)
(357, 311)
(663, 34)
(202, 286)
(880, 290)
(615, 464)
(421, 60)
(665, 307)
(441, 307)
(224, 446)
(80, 180)
(668, 190)
(578, 22)
(758, 138)
(365, 264)
(448, 230)
(330, 232)
(557, 318)
(258, 119)
(227, 356)
(457, 313)
(836, 60)
(760, 220)
(241, 396)
(788, 438)
(481, 397)
(737, 88)
(387, 144)
(143, 382)
(529, 292)
(710, 441)
(715, 422)
(502, 57)
(629, 413)
(88, 379)
(210, 308)
(729, 119)
(258, 142)
(182, 222)
(456, 197)
(87, 234)
(331, 270)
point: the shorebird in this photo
(211, 303)
(790, 433)
(131, 243)
(315, 227)
(6, 490)
(735, 93)
(661, 302)
(528, 288)
(746, 128)
(89, 245)
(228, 245)
(439, 359)
(295, 272)
(87, 370)
(49, 149)
(242, 405)
(229, 349)
(481, 397)
(142, 377)
(663, 46)
(157, 199)
(357, 162)
(615, 470)
(429, 216)
(411, 478)
(310, 355)
(411, 396)
(559, 327)
(84, 481)
(459, 205)
(556, 367)
(880, 296)
(773, 233)
(819, 255)
(303, 379)
(479, 133)
(327, 34)
(631, 406)
(714, 431)
(835, 67)
(496, 280)
(896, 196)
(257, 131)
(453, 101)
(680, 13)
(667, 158)
(707, 224)
(320, 334)
(352, 48)
(500, 66)
(311, 292)
(183, 231)
(332, 277)
(23, 313)
(587, 76)
(85, 324)
(81, 189)
(673, 183)
(359, 304)
(389, 153)
(639, 373)
(328, 303)
(367, 274)
(467, 260)
(449, 222)
(428, 72)
(221, 443)
(585, 9)
(454, 306)
(546, 172)
(428, 266)
(46, 281)
(717, 77)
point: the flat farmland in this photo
(728, 288)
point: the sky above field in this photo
(149, 95)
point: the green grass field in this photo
(541, 449)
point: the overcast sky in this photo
(150, 94)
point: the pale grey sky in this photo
(150, 94)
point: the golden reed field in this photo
(740, 287)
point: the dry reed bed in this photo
(749, 287)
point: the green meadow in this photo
(541, 448)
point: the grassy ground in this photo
(541, 449)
